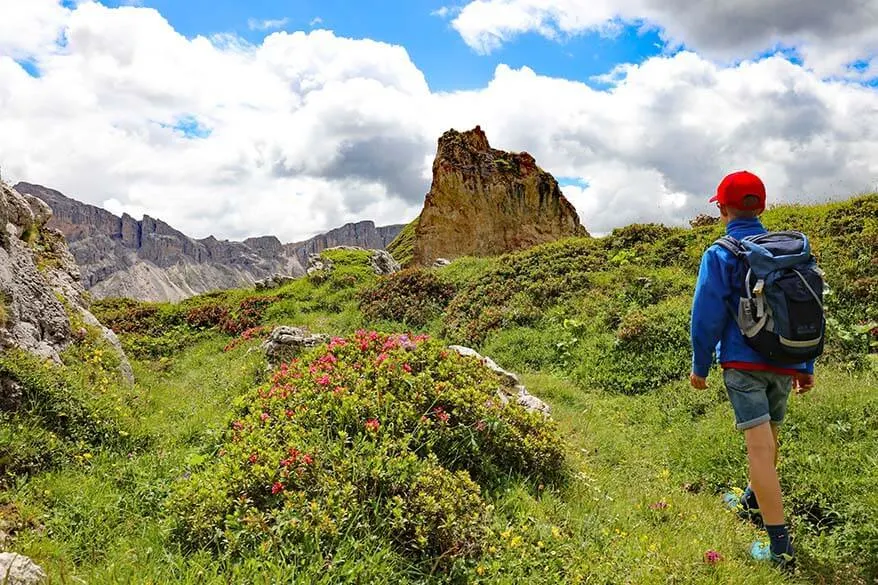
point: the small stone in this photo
(273, 281)
(286, 343)
(17, 569)
(511, 385)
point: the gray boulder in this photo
(317, 263)
(286, 343)
(274, 281)
(16, 569)
(511, 387)
(383, 263)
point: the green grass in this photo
(102, 521)
(403, 246)
(598, 329)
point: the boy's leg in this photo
(762, 455)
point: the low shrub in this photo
(247, 315)
(370, 434)
(130, 316)
(249, 334)
(649, 348)
(207, 316)
(59, 413)
(152, 347)
(412, 297)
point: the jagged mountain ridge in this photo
(148, 259)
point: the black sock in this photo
(780, 540)
(748, 500)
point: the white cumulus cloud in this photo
(306, 131)
(829, 35)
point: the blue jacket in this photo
(716, 292)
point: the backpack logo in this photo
(780, 313)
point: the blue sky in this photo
(434, 46)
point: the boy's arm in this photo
(709, 312)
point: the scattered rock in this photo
(10, 396)
(274, 281)
(441, 262)
(318, 264)
(381, 261)
(286, 343)
(17, 569)
(511, 385)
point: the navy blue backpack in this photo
(781, 311)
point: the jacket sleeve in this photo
(709, 311)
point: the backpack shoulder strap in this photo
(731, 245)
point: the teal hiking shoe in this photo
(761, 551)
(734, 502)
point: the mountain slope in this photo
(150, 260)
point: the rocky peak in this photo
(485, 201)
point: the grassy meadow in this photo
(382, 458)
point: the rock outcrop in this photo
(40, 284)
(511, 387)
(16, 569)
(381, 261)
(149, 260)
(485, 202)
(286, 343)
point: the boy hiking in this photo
(758, 304)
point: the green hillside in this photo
(403, 246)
(383, 457)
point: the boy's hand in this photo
(697, 382)
(804, 382)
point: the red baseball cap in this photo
(736, 186)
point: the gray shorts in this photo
(757, 397)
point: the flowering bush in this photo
(252, 333)
(413, 297)
(206, 316)
(247, 316)
(386, 434)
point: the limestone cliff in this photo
(485, 201)
(40, 285)
(150, 260)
